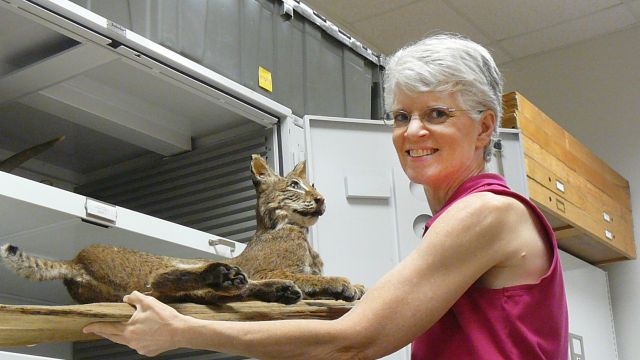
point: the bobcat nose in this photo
(319, 201)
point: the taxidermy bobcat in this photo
(280, 264)
(286, 207)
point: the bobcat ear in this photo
(300, 170)
(260, 170)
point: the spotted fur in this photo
(286, 207)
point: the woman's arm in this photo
(470, 238)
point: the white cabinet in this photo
(374, 214)
(126, 106)
(589, 302)
(15, 356)
(56, 223)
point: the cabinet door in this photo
(374, 216)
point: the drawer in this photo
(561, 208)
(577, 232)
(620, 233)
(611, 221)
(586, 201)
(542, 130)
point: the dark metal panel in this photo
(106, 350)
(312, 72)
(208, 189)
(324, 84)
(289, 66)
(357, 86)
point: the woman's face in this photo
(438, 155)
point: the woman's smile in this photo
(418, 153)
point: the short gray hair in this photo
(447, 62)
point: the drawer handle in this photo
(100, 211)
(606, 217)
(609, 235)
(560, 186)
(224, 242)
(560, 205)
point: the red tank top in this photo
(517, 322)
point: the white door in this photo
(374, 214)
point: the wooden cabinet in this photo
(586, 201)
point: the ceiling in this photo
(512, 29)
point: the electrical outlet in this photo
(576, 347)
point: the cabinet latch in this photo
(224, 242)
(100, 212)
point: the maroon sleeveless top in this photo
(516, 322)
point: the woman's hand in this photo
(151, 330)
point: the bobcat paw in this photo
(360, 290)
(288, 293)
(220, 276)
(344, 290)
(280, 291)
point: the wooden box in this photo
(587, 202)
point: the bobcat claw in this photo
(288, 294)
(219, 276)
(279, 291)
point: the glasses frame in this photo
(389, 116)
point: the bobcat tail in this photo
(17, 159)
(36, 268)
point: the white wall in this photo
(593, 90)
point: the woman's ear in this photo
(488, 124)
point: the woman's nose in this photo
(416, 127)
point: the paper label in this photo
(264, 79)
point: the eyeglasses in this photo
(432, 116)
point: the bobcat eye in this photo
(295, 185)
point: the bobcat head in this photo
(284, 200)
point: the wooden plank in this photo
(583, 247)
(591, 247)
(547, 170)
(566, 231)
(34, 324)
(560, 207)
(509, 121)
(553, 138)
(510, 100)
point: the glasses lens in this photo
(400, 119)
(388, 118)
(436, 115)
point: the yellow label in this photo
(264, 79)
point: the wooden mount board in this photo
(34, 324)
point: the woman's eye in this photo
(401, 117)
(437, 115)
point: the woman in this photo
(484, 283)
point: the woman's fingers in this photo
(135, 298)
(105, 328)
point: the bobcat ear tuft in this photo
(300, 170)
(260, 170)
